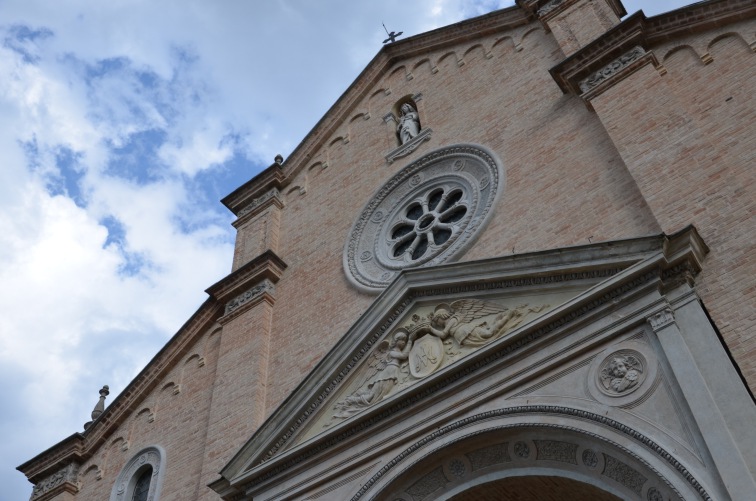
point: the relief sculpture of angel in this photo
(418, 350)
(458, 320)
(384, 372)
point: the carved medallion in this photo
(623, 374)
(426, 214)
(426, 356)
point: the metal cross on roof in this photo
(391, 36)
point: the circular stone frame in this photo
(427, 214)
(647, 381)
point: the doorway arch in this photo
(565, 452)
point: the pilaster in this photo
(238, 398)
(576, 23)
(694, 355)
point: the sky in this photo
(122, 125)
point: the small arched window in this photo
(141, 478)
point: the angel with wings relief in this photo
(384, 372)
(458, 320)
(456, 325)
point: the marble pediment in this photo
(436, 326)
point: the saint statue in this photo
(409, 123)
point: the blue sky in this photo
(122, 125)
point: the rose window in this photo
(426, 214)
(427, 224)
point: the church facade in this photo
(515, 260)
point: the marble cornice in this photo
(67, 451)
(640, 31)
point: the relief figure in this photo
(426, 344)
(457, 320)
(621, 373)
(385, 370)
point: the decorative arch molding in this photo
(679, 50)
(529, 443)
(149, 457)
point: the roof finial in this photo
(391, 36)
(278, 159)
(99, 406)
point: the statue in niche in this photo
(621, 373)
(409, 123)
(385, 370)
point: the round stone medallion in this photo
(426, 214)
(623, 373)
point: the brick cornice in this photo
(79, 447)
(272, 177)
(638, 30)
(265, 266)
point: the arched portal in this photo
(548, 458)
(534, 488)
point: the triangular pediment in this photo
(430, 336)
(435, 326)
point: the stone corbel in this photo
(391, 122)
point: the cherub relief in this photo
(621, 373)
(385, 366)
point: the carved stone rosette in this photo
(426, 214)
